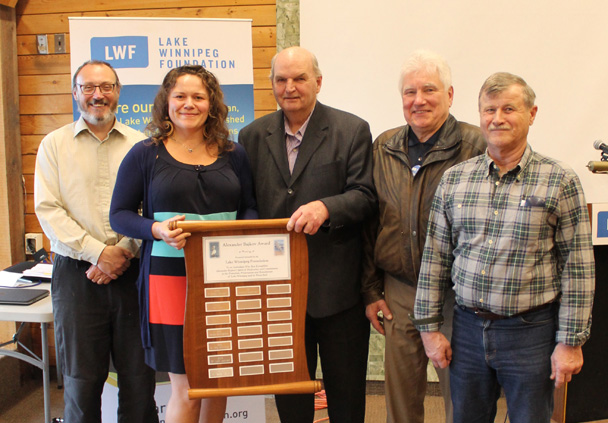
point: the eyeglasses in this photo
(90, 89)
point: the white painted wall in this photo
(557, 46)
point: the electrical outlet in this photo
(42, 44)
(33, 243)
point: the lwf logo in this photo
(121, 52)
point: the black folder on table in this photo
(20, 296)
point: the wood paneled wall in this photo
(44, 79)
(11, 200)
(11, 212)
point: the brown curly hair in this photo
(215, 130)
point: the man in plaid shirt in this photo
(510, 231)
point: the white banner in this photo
(248, 409)
(143, 50)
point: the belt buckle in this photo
(480, 313)
(487, 315)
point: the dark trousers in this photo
(343, 343)
(94, 323)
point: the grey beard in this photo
(108, 117)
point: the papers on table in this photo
(40, 272)
(10, 279)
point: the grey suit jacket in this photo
(333, 165)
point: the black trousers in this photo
(342, 341)
(94, 323)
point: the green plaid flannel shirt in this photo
(510, 243)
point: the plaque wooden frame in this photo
(218, 348)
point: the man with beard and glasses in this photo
(93, 286)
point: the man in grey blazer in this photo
(312, 163)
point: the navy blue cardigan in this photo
(132, 190)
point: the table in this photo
(39, 312)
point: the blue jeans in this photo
(514, 354)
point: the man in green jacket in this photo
(408, 164)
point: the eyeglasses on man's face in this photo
(89, 89)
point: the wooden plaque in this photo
(245, 336)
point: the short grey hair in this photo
(426, 61)
(501, 81)
(315, 63)
(96, 63)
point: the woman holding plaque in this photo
(187, 169)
